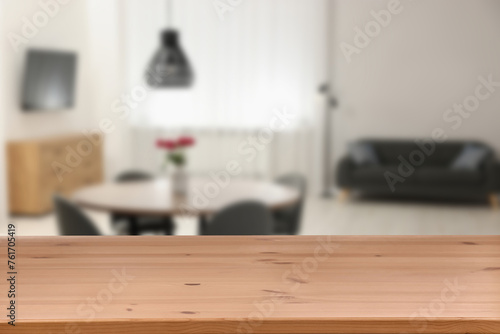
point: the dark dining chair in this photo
(71, 220)
(139, 225)
(287, 220)
(133, 175)
(244, 218)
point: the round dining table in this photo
(204, 197)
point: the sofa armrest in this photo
(495, 175)
(344, 170)
(492, 169)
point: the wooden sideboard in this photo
(256, 284)
(39, 168)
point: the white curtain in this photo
(264, 55)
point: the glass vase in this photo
(179, 181)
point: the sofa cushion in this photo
(428, 176)
(470, 158)
(389, 151)
(448, 177)
(363, 153)
(376, 175)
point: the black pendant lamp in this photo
(169, 68)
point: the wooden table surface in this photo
(293, 284)
(155, 197)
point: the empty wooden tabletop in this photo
(296, 284)
(205, 196)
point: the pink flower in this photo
(166, 144)
(185, 141)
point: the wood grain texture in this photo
(154, 198)
(33, 173)
(297, 284)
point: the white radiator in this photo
(291, 151)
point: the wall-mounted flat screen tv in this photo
(49, 80)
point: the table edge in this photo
(268, 326)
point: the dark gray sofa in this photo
(433, 177)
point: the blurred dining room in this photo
(284, 117)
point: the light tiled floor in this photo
(358, 217)
(355, 217)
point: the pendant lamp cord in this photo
(169, 13)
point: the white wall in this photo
(67, 30)
(107, 65)
(424, 61)
(92, 30)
